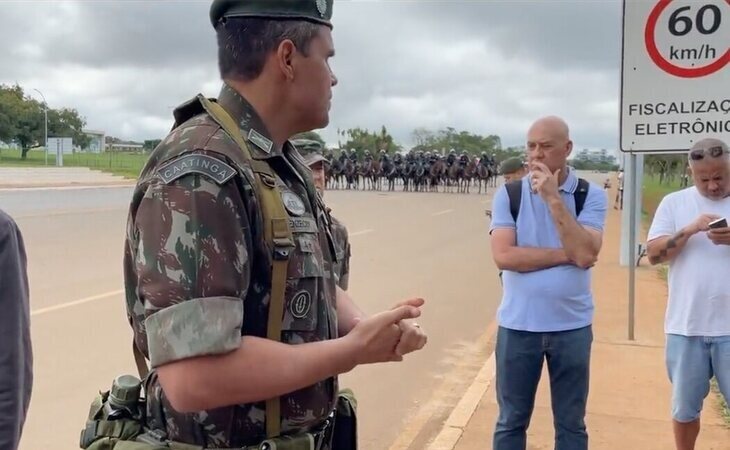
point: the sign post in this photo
(675, 87)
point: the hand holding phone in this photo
(719, 223)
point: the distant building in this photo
(96, 145)
(125, 146)
(9, 146)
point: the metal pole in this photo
(45, 114)
(632, 241)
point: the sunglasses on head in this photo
(700, 153)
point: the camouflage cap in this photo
(318, 11)
(511, 165)
(310, 150)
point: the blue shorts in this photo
(691, 362)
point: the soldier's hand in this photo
(375, 338)
(413, 337)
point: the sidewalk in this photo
(629, 400)
(47, 177)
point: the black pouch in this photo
(345, 432)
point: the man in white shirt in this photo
(619, 202)
(697, 320)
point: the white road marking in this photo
(66, 212)
(441, 213)
(361, 232)
(40, 311)
(64, 188)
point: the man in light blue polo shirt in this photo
(547, 305)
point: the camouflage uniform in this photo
(198, 271)
(342, 247)
(311, 152)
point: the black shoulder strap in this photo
(514, 192)
(581, 192)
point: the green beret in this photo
(511, 165)
(318, 11)
(310, 150)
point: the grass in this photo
(653, 194)
(124, 164)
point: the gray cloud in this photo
(487, 67)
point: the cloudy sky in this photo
(489, 67)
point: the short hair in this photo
(245, 43)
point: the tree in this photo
(361, 139)
(422, 136)
(150, 144)
(449, 138)
(22, 120)
(66, 122)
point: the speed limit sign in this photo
(675, 74)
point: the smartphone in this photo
(719, 223)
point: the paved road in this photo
(404, 244)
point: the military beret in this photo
(318, 11)
(310, 150)
(511, 165)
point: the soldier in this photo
(229, 251)
(316, 162)
(383, 156)
(451, 158)
(368, 156)
(353, 155)
(512, 169)
(485, 161)
(464, 158)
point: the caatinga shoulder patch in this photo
(211, 167)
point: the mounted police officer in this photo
(230, 253)
(464, 158)
(451, 158)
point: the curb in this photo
(459, 418)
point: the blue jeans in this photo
(519, 356)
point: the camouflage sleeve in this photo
(344, 253)
(193, 243)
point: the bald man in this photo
(546, 253)
(686, 234)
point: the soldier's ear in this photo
(284, 57)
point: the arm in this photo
(505, 252)
(666, 248)
(581, 237)
(16, 359)
(665, 241)
(582, 244)
(348, 313)
(507, 256)
(239, 377)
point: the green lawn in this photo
(654, 192)
(124, 164)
